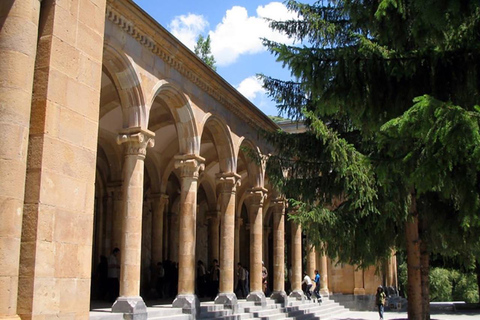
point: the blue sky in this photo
(235, 28)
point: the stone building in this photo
(114, 134)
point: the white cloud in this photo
(239, 33)
(187, 28)
(251, 87)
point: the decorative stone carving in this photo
(136, 141)
(190, 165)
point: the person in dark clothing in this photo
(316, 291)
(242, 279)
(201, 278)
(214, 278)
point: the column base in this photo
(229, 301)
(279, 296)
(12, 317)
(133, 308)
(258, 297)
(297, 295)
(188, 302)
(324, 292)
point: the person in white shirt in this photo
(307, 281)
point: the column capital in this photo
(257, 196)
(239, 221)
(279, 204)
(136, 141)
(228, 181)
(189, 164)
(160, 196)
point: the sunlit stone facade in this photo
(114, 134)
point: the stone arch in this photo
(256, 172)
(113, 157)
(223, 142)
(180, 107)
(209, 188)
(120, 69)
(151, 168)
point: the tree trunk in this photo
(477, 269)
(425, 271)
(414, 287)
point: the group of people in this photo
(307, 285)
(166, 279)
(208, 281)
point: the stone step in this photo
(171, 317)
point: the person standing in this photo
(307, 282)
(242, 279)
(380, 299)
(264, 278)
(201, 278)
(316, 291)
(113, 275)
(215, 278)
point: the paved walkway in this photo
(393, 315)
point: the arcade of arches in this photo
(114, 134)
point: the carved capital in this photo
(257, 196)
(190, 165)
(239, 222)
(228, 182)
(136, 141)
(161, 198)
(279, 204)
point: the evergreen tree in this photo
(388, 89)
(203, 50)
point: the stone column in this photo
(18, 49)
(160, 204)
(358, 276)
(190, 166)
(108, 223)
(58, 215)
(135, 142)
(266, 236)
(99, 231)
(312, 261)
(238, 226)
(117, 193)
(257, 198)
(214, 232)
(228, 183)
(297, 293)
(323, 275)
(279, 293)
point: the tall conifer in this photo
(389, 90)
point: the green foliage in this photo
(389, 90)
(440, 284)
(203, 50)
(445, 284)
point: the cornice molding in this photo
(157, 40)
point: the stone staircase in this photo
(272, 311)
(246, 310)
